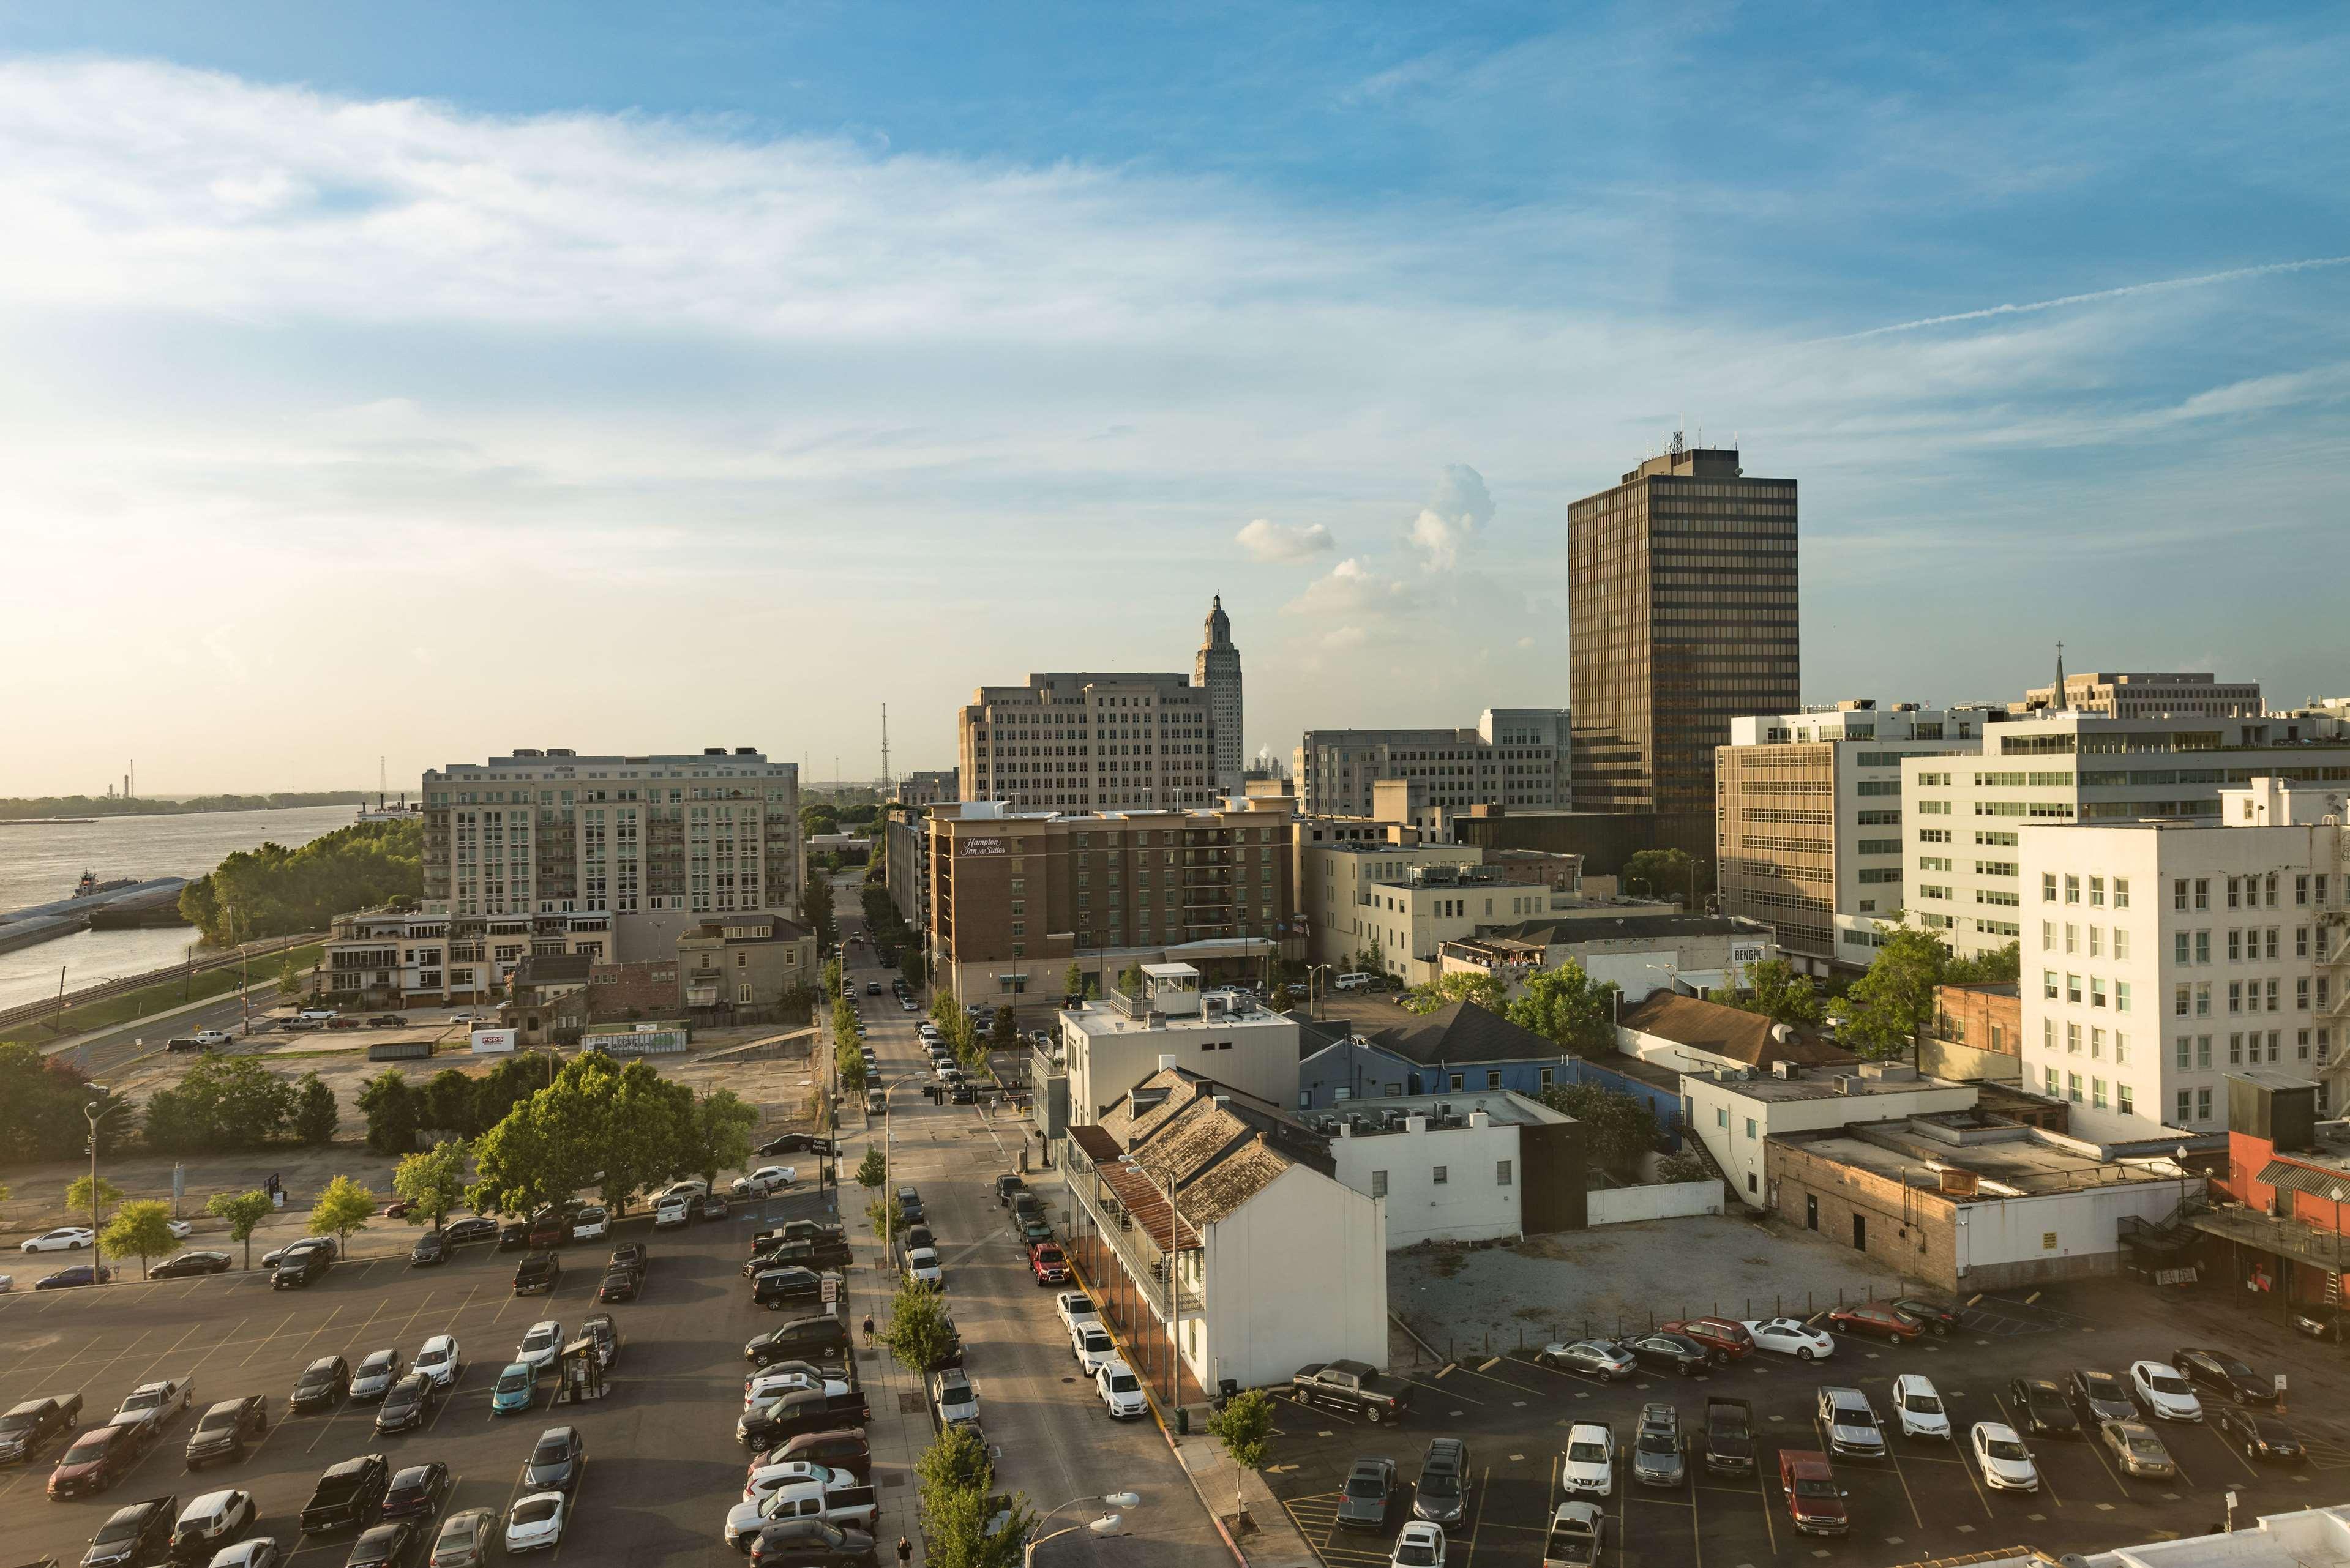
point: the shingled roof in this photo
(1216, 1146)
(1464, 1031)
(1744, 1037)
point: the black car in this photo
(395, 1545)
(1669, 1352)
(222, 1431)
(136, 1532)
(537, 1273)
(80, 1274)
(2041, 1408)
(2098, 1397)
(387, 1021)
(777, 1288)
(416, 1492)
(410, 1403)
(347, 1494)
(514, 1236)
(300, 1271)
(806, 1338)
(467, 1231)
(1932, 1316)
(1363, 1503)
(433, 1247)
(632, 1257)
(188, 1266)
(620, 1285)
(555, 1463)
(322, 1383)
(2261, 1436)
(2212, 1371)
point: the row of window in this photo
(2073, 993)
(2096, 889)
(2123, 1100)
(2248, 996)
(2249, 892)
(2097, 944)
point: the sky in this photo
(418, 382)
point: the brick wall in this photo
(1916, 1236)
(649, 989)
(1980, 1019)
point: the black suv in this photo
(537, 1274)
(348, 1495)
(137, 1532)
(322, 1383)
(221, 1430)
(806, 1338)
(302, 1269)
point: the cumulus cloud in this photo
(1265, 540)
(1348, 590)
(1452, 517)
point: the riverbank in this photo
(130, 1006)
(81, 808)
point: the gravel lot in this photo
(1549, 1284)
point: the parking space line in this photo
(145, 1372)
(85, 1377)
(317, 1330)
(2094, 1453)
(2009, 1416)
(1448, 1392)
(1484, 1485)
(262, 1343)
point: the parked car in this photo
(465, 1540)
(557, 1461)
(80, 1274)
(672, 1212)
(224, 1429)
(2158, 1390)
(417, 1492)
(2137, 1449)
(430, 1248)
(2099, 1396)
(292, 1250)
(321, 1384)
(189, 1265)
(605, 1334)
(592, 1223)
(1850, 1423)
(1882, 1319)
(1917, 1407)
(1725, 1339)
(2224, 1378)
(1791, 1336)
(1363, 1501)
(1441, 1495)
(347, 1494)
(301, 1269)
(387, 1021)
(1816, 1503)
(1120, 1390)
(2040, 1408)
(537, 1274)
(711, 1207)
(1674, 1353)
(1932, 1316)
(515, 1390)
(632, 1257)
(777, 1288)
(1592, 1357)
(535, 1523)
(954, 1398)
(1657, 1458)
(1093, 1345)
(1417, 1546)
(2001, 1457)
(812, 1338)
(620, 1285)
(137, 1532)
(32, 1425)
(97, 1460)
(541, 1344)
(377, 1374)
(410, 1404)
(471, 1228)
(2262, 1438)
(442, 1360)
(1354, 1387)
(1587, 1469)
(210, 1522)
(1576, 1530)
(514, 1236)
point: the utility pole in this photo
(886, 774)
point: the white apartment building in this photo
(1963, 818)
(1514, 757)
(391, 957)
(1449, 1168)
(657, 842)
(1807, 832)
(1334, 882)
(2162, 954)
(1114, 1043)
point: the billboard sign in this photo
(495, 1042)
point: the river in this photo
(39, 863)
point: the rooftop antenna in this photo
(885, 749)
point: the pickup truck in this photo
(1815, 1502)
(1729, 1434)
(31, 1424)
(156, 1403)
(1576, 1530)
(804, 1410)
(835, 1500)
(819, 1246)
(1354, 1387)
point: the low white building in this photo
(1639, 952)
(1212, 1231)
(2311, 1538)
(1112, 1042)
(1456, 1167)
(395, 957)
(1736, 1111)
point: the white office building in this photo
(2162, 954)
(1113, 1043)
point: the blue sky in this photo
(445, 379)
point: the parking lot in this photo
(1923, 1501)
(662, 1464)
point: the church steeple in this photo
(2057, 704)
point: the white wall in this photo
(1258, 1057)
(2015, 1229)
(1711, 1104)
(1297, 1274)
(1666, 1200)
(1471, 1206)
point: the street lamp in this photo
(92, 1114)
(1311, 970)
(1107, 1524)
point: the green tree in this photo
(881, 1214)
(1661, 874)
(432, 1182)
(277, 891)
(452, 1104)
(849, 1062)
(1460, 985)
(918, 1333)
(964, 1525)
(1776, 991)
(1244, 1427)
(142, 1231)
(2000, 966)
(78, 1202)
(1567, 1005)
(1620, 1130)
(873, 1170)
(720, 1122)
(830, 978)
(1282, 1000)
(245, 1211)
(1129, 979)
(512, 1082)
(815, 913)
(222, 1103)
(315, 1115)
(394, 1116)
(1073, 979)
(342, 1209)
(1005, 1034)
(290, 980)
(1895, 1004)
(41, 1102)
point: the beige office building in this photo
(1515, 757)
(2145, 694)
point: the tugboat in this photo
(87, 886)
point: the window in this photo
(2125, 1101)
(2202, 1001)
(1546, 1079)
(2121, 1046)
(2048, 988)
(2072, 936)
(1378, 1184)
(1749, 1126)
(2121, 996)
(2203, 1051)
(2236, 1050)
(2048, 1033)
(2185, 1052)
(2301, 942)
(2071, 1039)
(1500, 1173)
(1492, 1080)
(2072, 895)
(2178, 893)
(2202, 1105)
(2097, 892)
(2048, 887)
(2098, 1092)
(2047, 936)
(1721, 1116)
(2185, 1106)
(2096, 941)
(2234, 955)
(2073, 1087)
(2182, 947)
(2179, 997)
(1442, 1176)
(2236, 995)
(2073, 988)
(2096, 1043)
(746, 997)
(2301, 993)
(2271, 994)
(1456, 1083)
(2121, 943)
(2048, 1081)
(2202, 892)
(2202, 946)
(2097, 991)
(2121, 901)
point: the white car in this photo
(254, 1552)
(64, 1238)
(441, 1360)
(923, 1263)
(1074, 1307)
(747, 1518)
(765, 1179)
(2000, 1454)
(536, 1523)
(1791, 1336)
(956, 1399)
(671, 1212)
(761, 1387)
(691, 1187)
(2161, 1392)
(1092, 1343)
(592, 1223)
(208, 1037)
(1420, 1545)
(541, 1346)
(1587, 1469)
(180, 1229)
(1121, 1390)
(765, 1479)
(1917, 1406)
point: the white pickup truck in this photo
(154, 1405)
(836, 1500)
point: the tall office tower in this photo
(1217, 666)
(1682, 614)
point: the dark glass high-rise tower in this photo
(1682, 614)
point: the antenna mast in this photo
(886, 774)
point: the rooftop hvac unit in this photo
(1849, 1083)
(1782, 1068)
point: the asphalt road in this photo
(111, 1049)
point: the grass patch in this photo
(130, 1006)
(1448, 1262)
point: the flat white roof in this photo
(1170, 971)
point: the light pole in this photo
(92, 1114)
(1107, 1524)
(1311, 972)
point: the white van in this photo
(1353, 980)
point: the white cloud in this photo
(1453, 518)
(1265, 540)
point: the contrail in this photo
(2038, 305)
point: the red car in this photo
(1049, 1265)
(1725, 1339)
(99, 1458)
(1879, 1318)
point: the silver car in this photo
(1657, 1452)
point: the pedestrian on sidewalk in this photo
(868, 1328)
(905, 1550)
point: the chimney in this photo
(1165, 1063)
